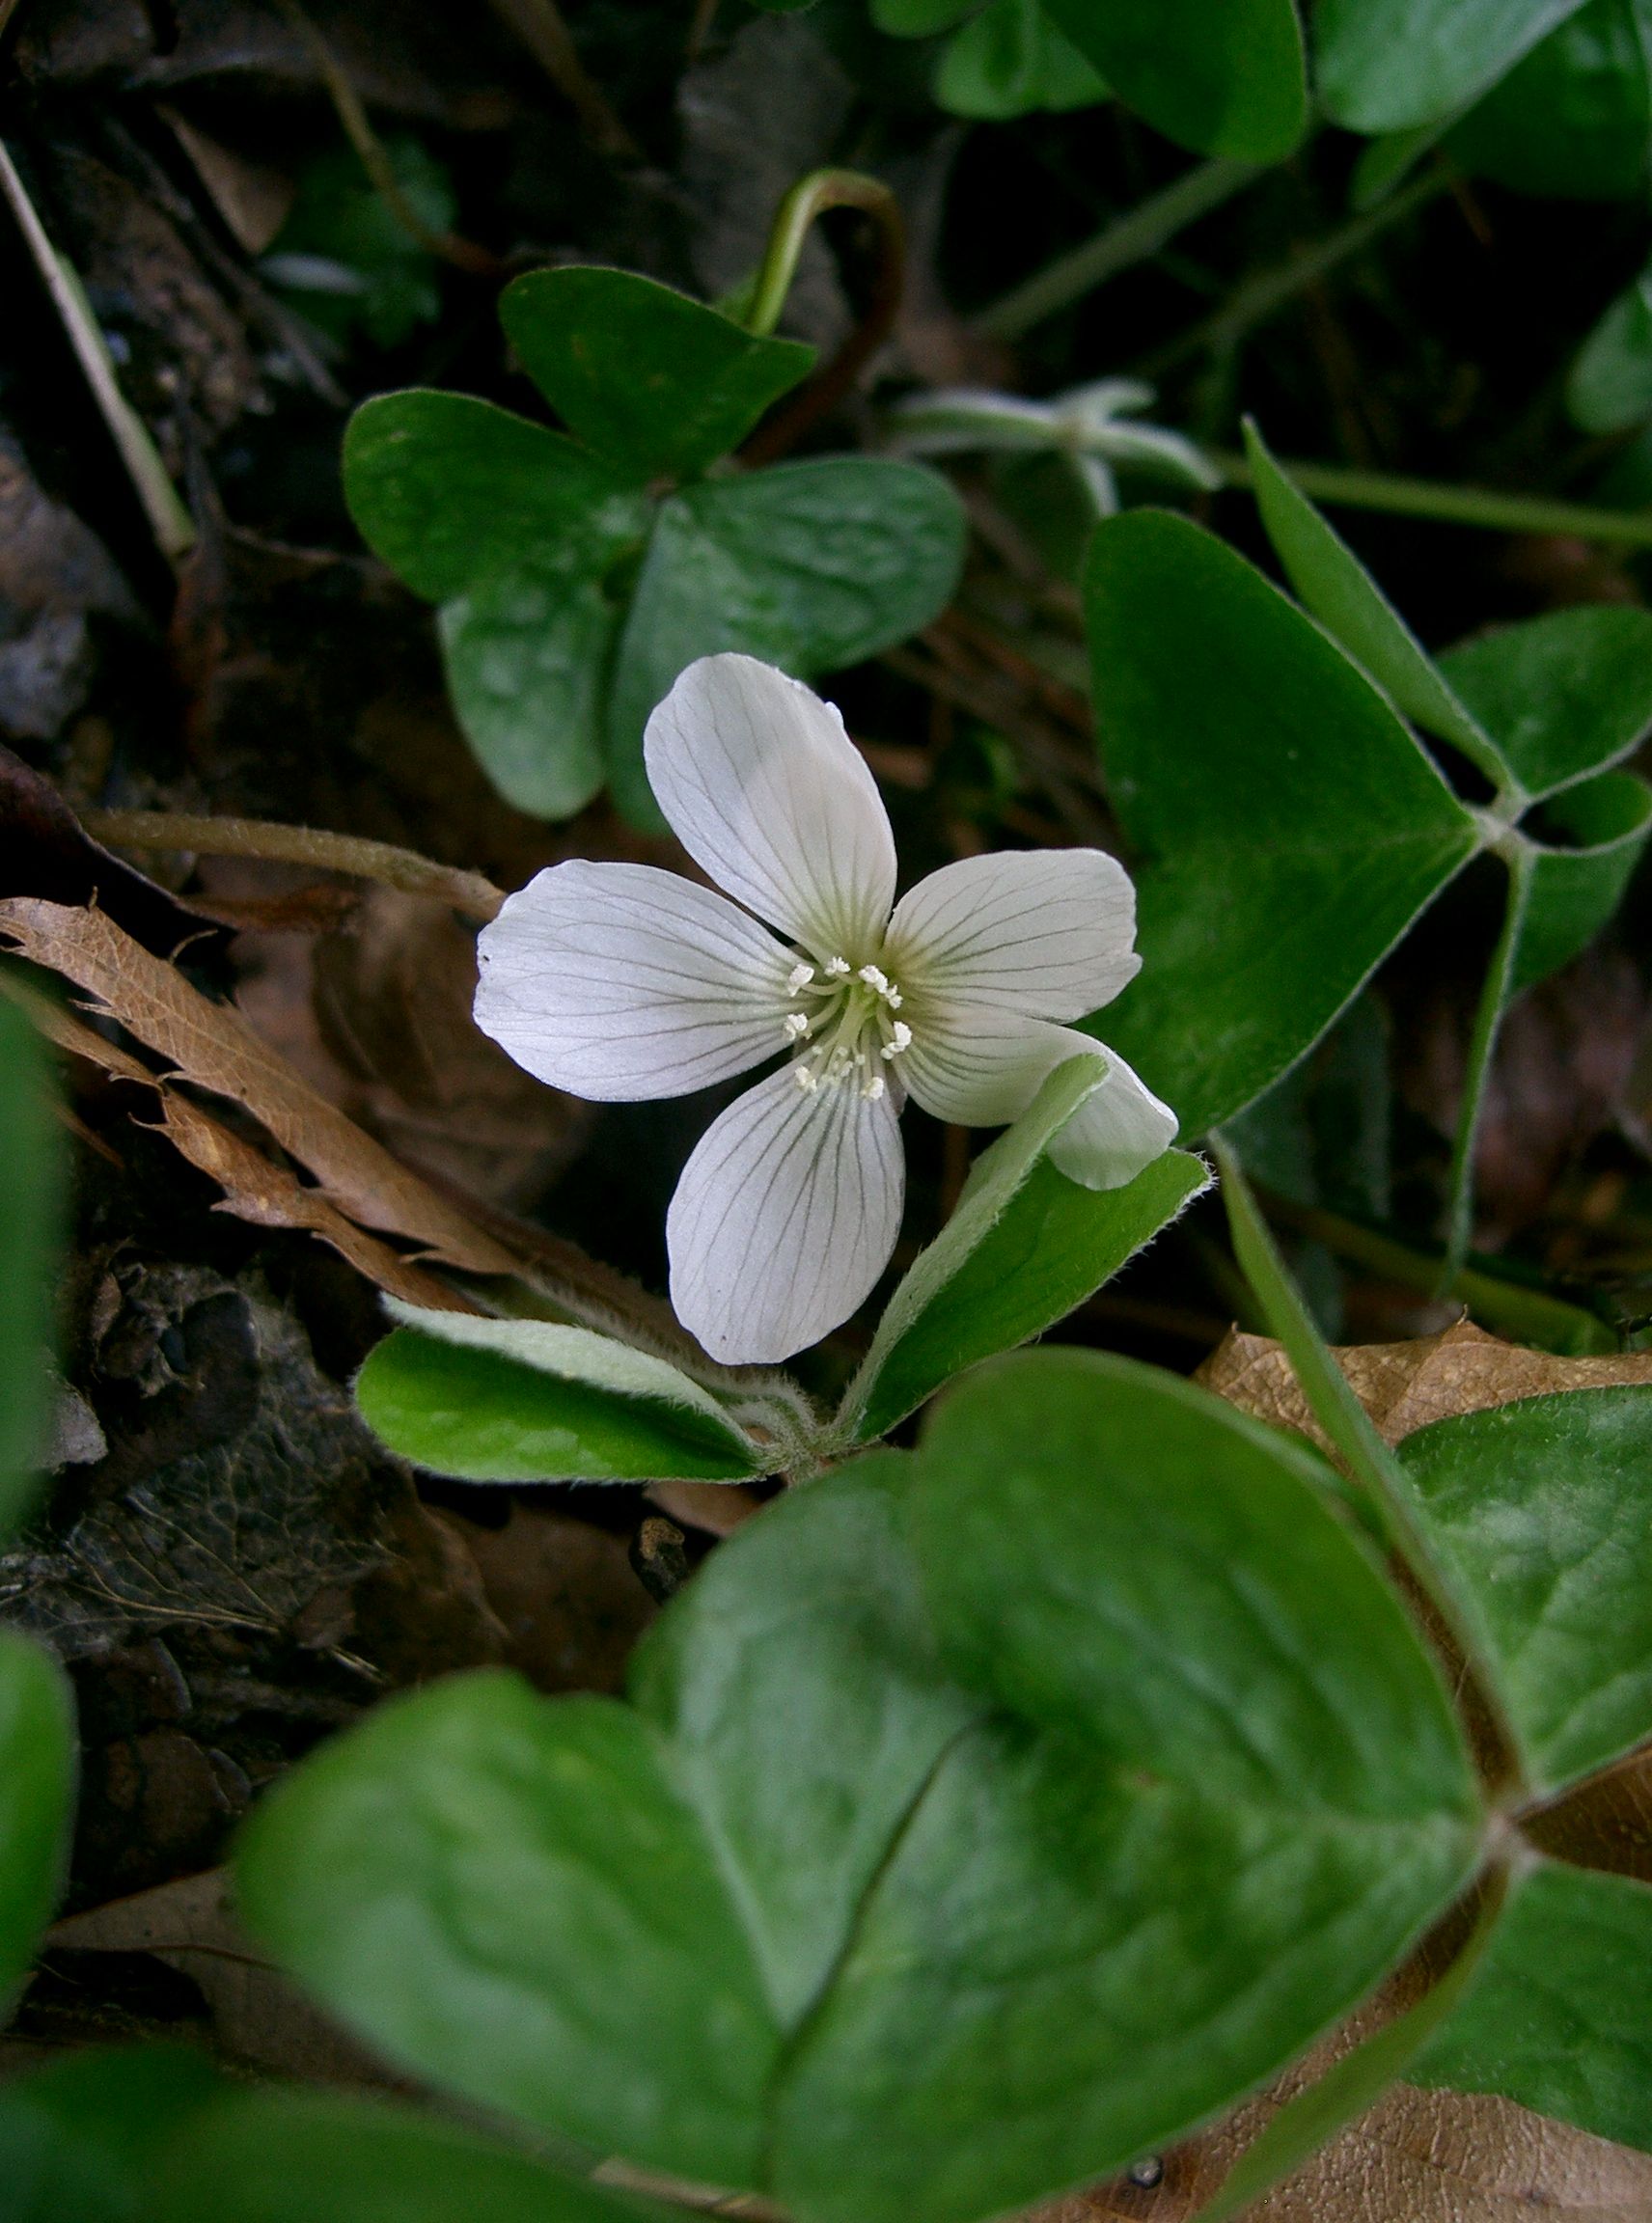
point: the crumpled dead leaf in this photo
(393, 989)
(1416, 2158)
(1404, 1387)
(258, 2019)
(255, 1187)
(212, 1045)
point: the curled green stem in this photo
(809, 198)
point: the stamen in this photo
(798, 977)
(836, 967)
(872, 1088)
(806, 1078)
(899, 1039)
(874, 978)
(796, 1025)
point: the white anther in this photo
(836, 967)
(798, 977)
(806, 1080)
(872, 1088)
(892, 997)
(901, 1038)
(796, 1025)
(874, 978)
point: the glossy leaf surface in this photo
(1288, 827)
(1574, 118)
(1390, 65)
(519, 1401)
(1576, 889)
(1563, 695)
(1225, 80)
(809, 566)
(78, 2138)
(1334, 586)
(1556, 2016)
(288, 2156)
(37, 1778)
(1535, 1512)
(887, 1923)
(514, 530)
(648, 379)
(1011, 60)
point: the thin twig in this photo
(169, 520)
(467, 892)
(446, 246)
(1133, 238)
(541, 29)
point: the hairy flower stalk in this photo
(621, 982)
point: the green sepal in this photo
(526, 1401)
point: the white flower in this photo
(1085, 424)
(618, 982)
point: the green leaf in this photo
(1024, 1247)
(653, 382)
(526, 1401)
(1103, 1546)
(76, 2138)
(1010, 61)
(285, 2156)
(1564, 695)
(30, 1213)
(1391, 65)
(37, 1780)
(1351, 2084)
(811, 565)
(1557, 2017)
(1290, 827)
(1610, 388)
(514, 530)
(1533, 1516)
(1575, 891)
(919, 19)
(812, 1917)
(1574, 119)
(345, 257)
(1223, 80)
(1334, 586)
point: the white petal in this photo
(977, 1067)
(767, 793)
(981, 1069)
(786, 1215)
(1045, 933)
(1115, 1133)
(618, 982)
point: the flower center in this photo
(842, 1026)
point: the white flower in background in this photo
(1085, 425)
(620, 982)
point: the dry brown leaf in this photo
(257, 2016)
(212, 1045)
(1416, 2158)
(1404, 1387)
(571, 1606)
(255, 1187)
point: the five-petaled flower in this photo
(620, 982)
